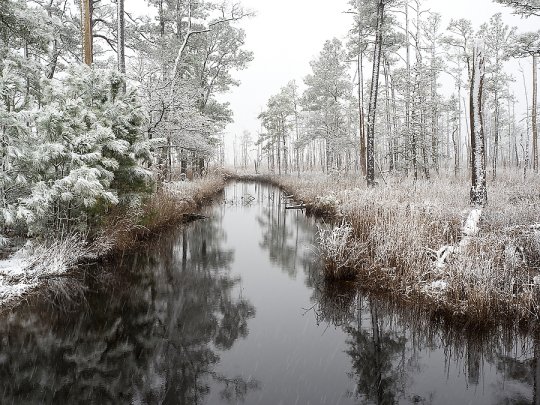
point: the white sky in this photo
(286, 35)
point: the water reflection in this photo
(233, 309)
(287, 236)
(151, 335)
(393, 352)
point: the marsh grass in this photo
(397, 228)
(170, 205)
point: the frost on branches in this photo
(75, 155)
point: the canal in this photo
(231, 309)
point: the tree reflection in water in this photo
(151, 334)
(154, 329)
(387, 346)
(286, 235)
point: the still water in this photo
(230, 309)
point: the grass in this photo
(171, 204)
(388, 237)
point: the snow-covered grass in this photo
(399, 227)
(341, 253)
(36, 265)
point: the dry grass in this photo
(168, 206)
(398, 227)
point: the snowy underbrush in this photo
(37, 264)
(339, 251)
(54, 263)
(397, 232)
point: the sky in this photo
(285, 35)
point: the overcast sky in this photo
(286, 35)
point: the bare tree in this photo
(478, 155)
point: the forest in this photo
(371, 234)
(408, 133)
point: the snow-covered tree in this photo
(328, 92)
(497, 38)
(84, 152)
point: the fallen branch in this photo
(470, 229)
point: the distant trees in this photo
(276, 119)
(397, 119)
(528, 45)
(498, 38)
(325, 100)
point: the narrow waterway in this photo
(230, 309)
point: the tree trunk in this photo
(477, 154)
(374, 90)
(388, 114)
(407, 89)
(535, 113)
(121, 37)
(278, 144)
(86, 13)
(361, 116)
(496, 135)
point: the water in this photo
(231, 309)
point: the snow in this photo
(11, 268)
(439, 285)
(30, 266)
(442, 256)
(436, 287)
(470, 228)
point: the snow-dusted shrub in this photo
(340, 250)
(327, 204)
(83, 153)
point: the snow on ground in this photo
(31, 266)
(12, 270)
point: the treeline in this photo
(390, 115)
(98, 104)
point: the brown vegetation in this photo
(173, 203)
(398, 227)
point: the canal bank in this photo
(411, 240)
